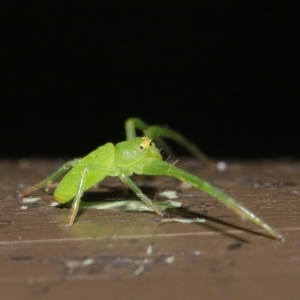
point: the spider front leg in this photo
(158, 134)
(131, 125)
(163, 168)
(63, 169)
(77, 198)
(140, 194)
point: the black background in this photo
(224, 74)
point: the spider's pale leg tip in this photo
(162, 215)
(70, 224)
(278, 236)
(23, 193)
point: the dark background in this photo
(225, 74)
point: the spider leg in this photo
(159, 133)
(63, 169)
(76, 201)
(139, 193)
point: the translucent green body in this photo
(125, 158)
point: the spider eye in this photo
(146, 143)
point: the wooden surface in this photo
(104, 255)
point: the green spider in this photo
(137, 155)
